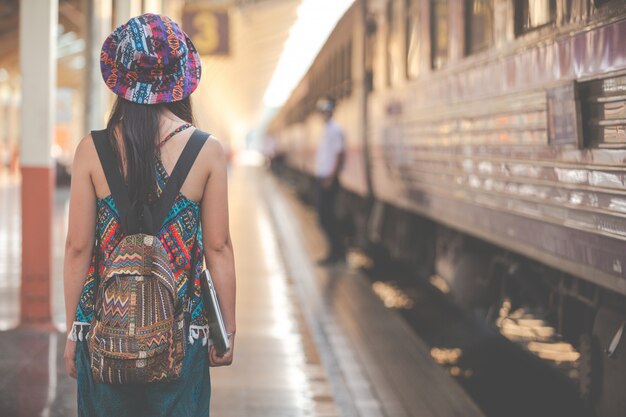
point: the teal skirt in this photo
(189, 396)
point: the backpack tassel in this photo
(79, 331)
(194, 334)
(205, 338)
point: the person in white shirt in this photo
(329, 162)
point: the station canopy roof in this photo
(230, 95)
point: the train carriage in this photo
(485, 133)
(334, 72)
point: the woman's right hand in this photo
(226, 359)
(70, 358)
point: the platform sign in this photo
(564, 115)
(209, 29)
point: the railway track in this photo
(502, 376)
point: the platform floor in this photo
(311, 341)
(380, 366)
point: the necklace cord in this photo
(174, 133)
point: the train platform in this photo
(311, 341)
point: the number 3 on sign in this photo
(207, 37)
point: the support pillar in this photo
(14, 128)
(125, 9)
(174, 10)
(4, 131)
(97, 96)
(153, 6)
(38, 55)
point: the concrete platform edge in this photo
(292, 252)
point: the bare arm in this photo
(81, 229)
(218, 249)
(339, 160)
(80, 235)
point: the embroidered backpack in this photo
(138, 331)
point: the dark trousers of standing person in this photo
(326, 210)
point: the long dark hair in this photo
(139, 126)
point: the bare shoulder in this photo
(214, 146)
(85, 154)
(213, 152)
(87, 146)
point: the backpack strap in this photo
(172, 188)
(177, 178)
(109, 163)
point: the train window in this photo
(575, 10)
(348, 68)
(341, 58)
(370, 52)
(439, 32)
(394, 41)
(389, 36)
(412, 40)
(315, 87)
(328, 79)
(478, 25)
(332, 75)
(603, 108)
(338, 63)
(531, 14)
(602, 3)
(336, 73)
(342, 71)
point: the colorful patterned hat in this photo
(150, 60)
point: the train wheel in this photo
(468, 284)
(608, 328)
